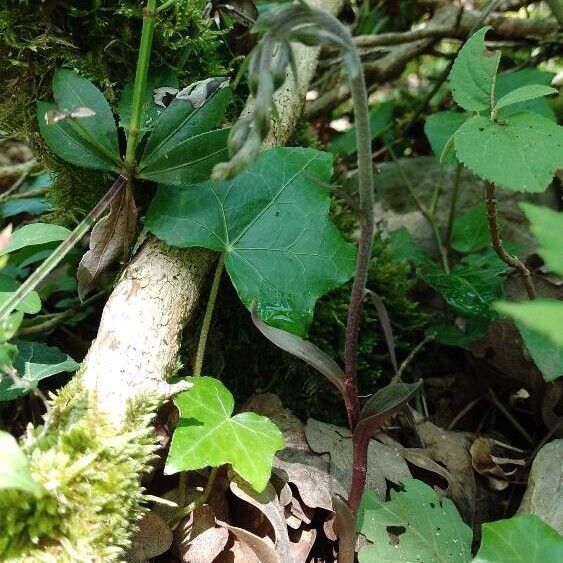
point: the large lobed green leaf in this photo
(281, 250)
(90, 142)
(521, 153)
(472, 77)
(521, 539)
(416, 525)
(208, 435)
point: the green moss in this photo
(91, 472)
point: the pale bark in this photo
(138, 340)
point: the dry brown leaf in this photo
(263, 548)
(268, 504)
(198, 539)
(308, 471)
(153, 538)
(384, 461)
(109, 240)
(487, 464)
(302, 544)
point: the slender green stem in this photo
(453, 205)
(206, 324)
(431, 220)
(63, 249)
(139, 87)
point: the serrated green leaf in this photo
(508, 81)
(34, 362)
(521, 539)
(472, 77)
(542, 315)
(471, 286)
(380, 118)
(415, 525)
(31, 304)
(90, 142)
(34, 234)
(190, 161)
(471, 230)
(150, 111)
(14, 469)
(547, 226)
(182, 149)
(521, 154)
(272, 222)
(440, 128)
(208, 435)
(524, 94)
(547, 355)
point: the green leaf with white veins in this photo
(416, 525)
(281, 250)
(90, 142)
(208, 435)
(521, 539)
(472, 77)
(521, 154)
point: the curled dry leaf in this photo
(309, 472)
(198, 539)
(267, 502)
(262, 548)
(302, 544)
(496, 468)
(109, 240)
(153, 538)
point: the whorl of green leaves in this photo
(90, 475)
(267, 69)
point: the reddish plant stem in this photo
(360, 443)
(496, 243)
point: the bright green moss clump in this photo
(92, 474)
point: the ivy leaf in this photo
(472, 77)
(281, 250)
(90, 142)
(208, 434)
(521, 154)
(14, 469)
(547, 226)
(471, 286)
(150, 111)
(508, 81)
(31, 304)
(547, 356)
(471, 230)
(521, 539)
(440, 128)
(181, 149)
(542, 315)
(34, 234)
(34, 362)
(415, 525)
(524, 94)
(380, 119)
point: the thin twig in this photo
(517, 426)
(496, 243)
(406, 362)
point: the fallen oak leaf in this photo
(110, 239)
